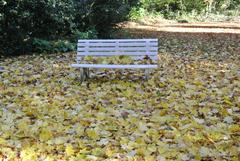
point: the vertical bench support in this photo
(147, 73)
(84, 72)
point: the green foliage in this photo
(161, 5)
(172, 8)
(193, 5)
(23, 22)
(44, 46)
(222, 5)
(137, 13)
(91, 33)
(105, 14)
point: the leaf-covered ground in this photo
(188, 110)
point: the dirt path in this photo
(216, 27)
(201, 31)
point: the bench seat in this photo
(113, 66)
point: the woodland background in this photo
(28, 26)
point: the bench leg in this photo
(82, 75)
(87, 73)
(147, 73)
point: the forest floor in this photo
(188, 110)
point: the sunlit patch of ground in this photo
(215, 27)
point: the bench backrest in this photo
(116, 47)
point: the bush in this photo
(170, 7)
(193, 5)
(137, 13)
(44, 46)
(89, 34)
(23, 23)
(105, 14)
(162, 6)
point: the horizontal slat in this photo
(97, 45)
(132, 44)
(110, 66)
(154, 57)
(119, 40)
(118, 47)
(120, 52)
(115, 53)
(133, 49)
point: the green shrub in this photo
(138, 13)
(23, 23)
(173, 8)
(162, 6)
(89, 34)
(193, 5)
(44, 46)
(105, 14)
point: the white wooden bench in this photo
(138, 48)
